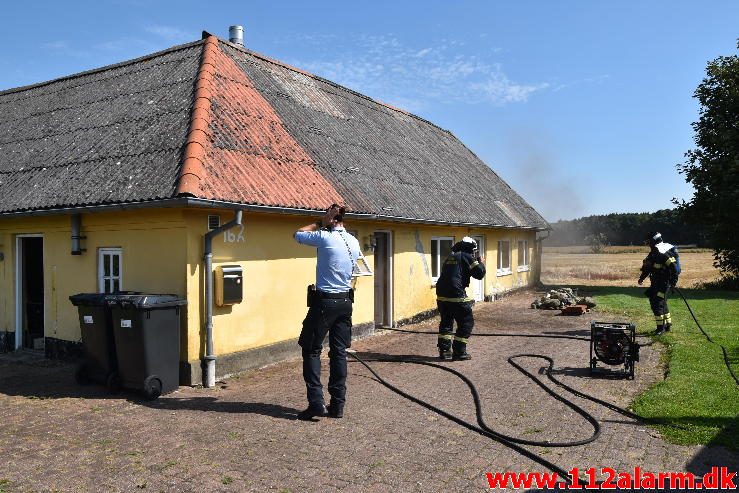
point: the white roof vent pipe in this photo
(236, 35)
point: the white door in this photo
(478, 285)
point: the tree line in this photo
(628, 229)
(709, 217)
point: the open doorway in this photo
(383, 279)
(29, 304)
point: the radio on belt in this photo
(229, 284)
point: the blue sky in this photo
(584, 107)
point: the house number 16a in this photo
(231, 237)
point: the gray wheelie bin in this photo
(96, 326)
(146, 328)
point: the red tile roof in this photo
(238, 149)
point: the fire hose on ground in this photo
(512, 442)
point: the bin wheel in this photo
(113, 382)
(81, 376)
(152, 388)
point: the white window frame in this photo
(524, 267)
(506, 271)
(102, 278)
(438, 240)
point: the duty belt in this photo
(334, 296)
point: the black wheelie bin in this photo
(96, 326)
(146, 328)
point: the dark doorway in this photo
(383, 280)
(32, 292)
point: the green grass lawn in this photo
(699, 395)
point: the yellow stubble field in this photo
(618, 266)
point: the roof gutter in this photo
(220, 204)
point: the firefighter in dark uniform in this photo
(662, 266)
(451, 298)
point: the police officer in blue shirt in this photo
(330, 311)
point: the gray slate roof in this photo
(117, 134)
(106, 136)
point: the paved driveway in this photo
(243, 436)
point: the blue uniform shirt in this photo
(335, 266)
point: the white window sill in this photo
(504, 272)
(523, 268)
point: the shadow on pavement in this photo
(212, 404)
(370, 355)
(601, 373)
(34, 377)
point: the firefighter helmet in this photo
(467, 244)
(653, 237)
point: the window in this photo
(504, 258)
(441, 247)
(523, 255)
(110, 272)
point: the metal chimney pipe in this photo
(236, 35)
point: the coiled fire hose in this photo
(481, 427)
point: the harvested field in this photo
(619, 267)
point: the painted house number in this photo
(230, 237)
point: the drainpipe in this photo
(209, 367)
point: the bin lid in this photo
(147, 301)
(96, 299)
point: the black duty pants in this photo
(462, 314)
(332, 316)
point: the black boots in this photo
(449, 355)
(459, 351)
(445, 354)
(332, 411)
(335, 410)
(312, 412)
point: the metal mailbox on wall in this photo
(229, 284)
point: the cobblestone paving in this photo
(243, 435)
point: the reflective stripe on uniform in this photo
(657, 266)
(460, 339)
(659, 318)
(660, 294)
(447, 337)
(670, 260)
(474, 264)
(668, 318)
(454, 300)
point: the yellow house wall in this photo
(277, 271)
(153, 260)
(414, 286)
(163, 249)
